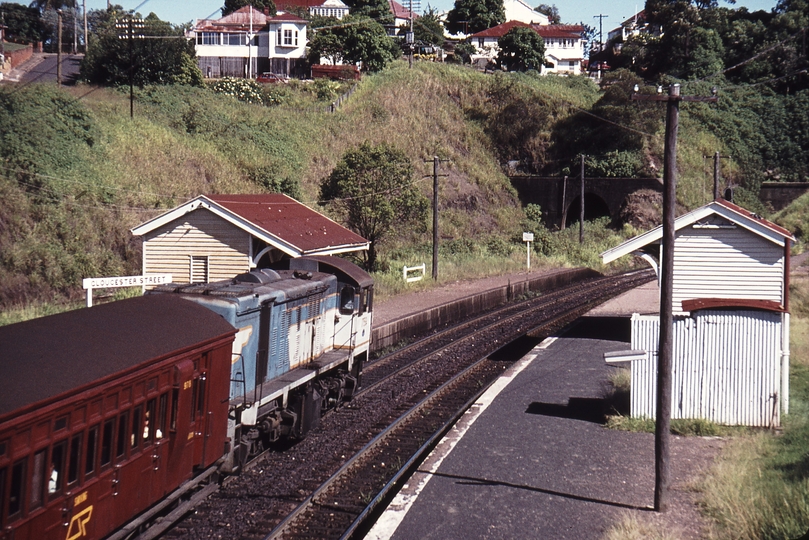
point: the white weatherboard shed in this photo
(216, 237)
(730, 361)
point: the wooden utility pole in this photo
(59, 47)
(86, 36)
(664, 354)
(436, 162)
(600, 30)
(581, 204)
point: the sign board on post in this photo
(122, 281)
(528, 237)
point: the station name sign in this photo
(126, 281)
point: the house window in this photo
(199, 269)
(290, 38)
(481, 43)
(207, 38)
(234, 39)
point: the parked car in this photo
(271, 78)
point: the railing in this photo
(334, 105)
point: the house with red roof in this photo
(216, 237)
(248, 42)
(564, 45)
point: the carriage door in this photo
(199, 407)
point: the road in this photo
(42, 68)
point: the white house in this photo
(330, 8)
(564, 45)
(517, 10)
(248, 42)
(730, 358)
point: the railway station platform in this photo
(531, 459)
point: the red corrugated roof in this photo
(237, 20)
(500, 30)
(286, 17)
(289, 220)
(401, 12)
(545, 30)
(284, 5)
(755, 217)
(573, 31)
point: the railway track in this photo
(328, 485)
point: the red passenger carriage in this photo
(105, 410)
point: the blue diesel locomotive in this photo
(303, 334)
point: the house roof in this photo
(290, 4)
(500, 30)
(545, 30)
(238, 20)
(731, 212)
(559, 30)
(277, 219)
(286, 17)
(399, 11)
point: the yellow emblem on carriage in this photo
(78, 524)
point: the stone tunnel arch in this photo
(594, 208)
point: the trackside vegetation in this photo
(76, 173)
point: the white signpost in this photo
(528, 237)
(122, 281)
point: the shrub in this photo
(242, 89)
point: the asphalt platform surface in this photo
(531, 459)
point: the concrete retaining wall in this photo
(420, 323)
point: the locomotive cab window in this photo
(347, 300)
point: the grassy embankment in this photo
(76, 173)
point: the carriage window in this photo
(194, 390)
(201, 397)
(106, 442)
(120, 443)
(175, 395)
(134, 439)
(160, 426)
(347, 300)
(2, 493)
(148, 421)
(17, 488)
(56, 472)
(60, 424)
(37, 479)
(75, 455)
(90, 457)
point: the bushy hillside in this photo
(76, 173)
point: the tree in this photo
(355, 40)
(464, 51)
(22, 22)
(551, 11)
(521, 49)
(260, 5)
(470, 16)
(164, 56)
(372, 190)
(377, 10)
(428, 28)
